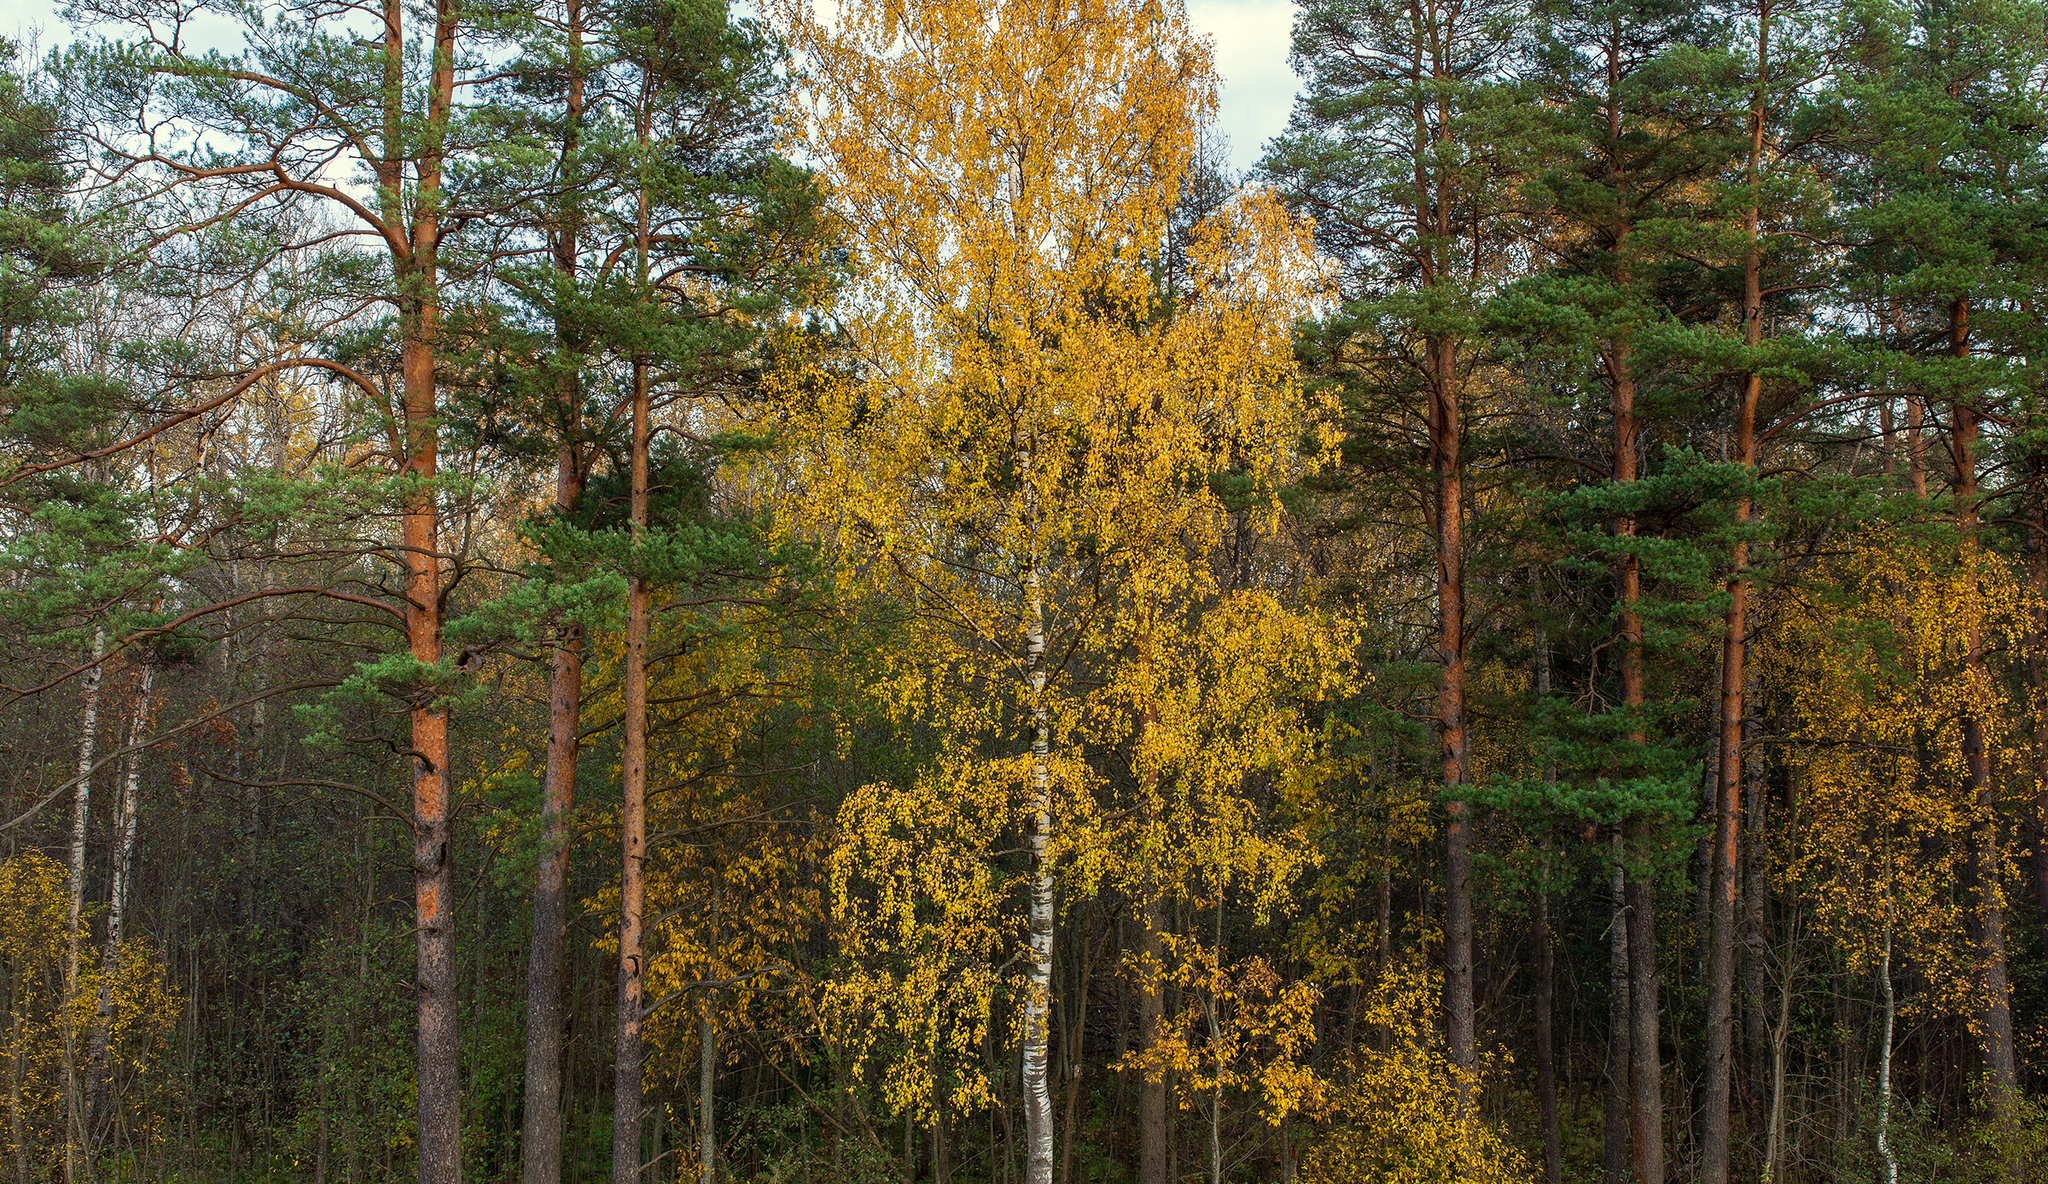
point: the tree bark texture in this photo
(433, 852)
(707, 1095)
(1447, 472)
(74, 909)
(98, 1082)
(1994, 1020)
(1646, 1077)
(627, 1087)
(1614, 1151)
(1038, 1135)
(1154, 1116)
(541, 1120)
(1719, 1068)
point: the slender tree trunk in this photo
(1884, 1063)
(1646, 1084)
(1756, 901)
(1154, 1133)
(1447, 464)
(707, 1094)
(1038, 1134)
(97, 1082)
(17, 1117)
(1916, 447)
(1995, 1008)
(627, 1099)
(1076, 1062)
(1719, 1067)
(75, 1165)
(1615, 1144)
(2037, 673)
(1216, 1047)
(541, 1121)
(1546, 1044)
(1775, 1140)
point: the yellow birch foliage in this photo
(1877, 687)
(1395, 1119)
(1032, 420)
(32, 948)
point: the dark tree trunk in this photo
(541, 1121)
(1615, 1144)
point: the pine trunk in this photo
(1719, 1068)
(1646, 1077)
(2037, 673)
(439, 1048)
(1447, 465)
(1994, 1019)
(541, 1120)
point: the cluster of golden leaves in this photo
(1038, 422)
(1882, 803)
(1396, 1117)
(33, 930)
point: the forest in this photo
(644, 591)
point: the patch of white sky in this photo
(1250, 36)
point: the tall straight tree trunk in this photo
(433, 849)
(707, 1094)
(1615, 1141)
(1546, 1045)
(1719, 1068)
(541, 1121)
(1884, 1063)
(1994, 1019)
(97, 1074)
(75, 1166)
(1038, 1151)
(1154, 1132)
(627, 1085)
(1447, 471)
(2037, 672)
(1646, 1077)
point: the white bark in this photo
(125, 811)
(1884, 1061)
(81, 812)
(1037, 1091)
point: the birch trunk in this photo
(97, 1083)
(627, 1086)
(75, 1166)
(1884, 1062)
(1038, 1152)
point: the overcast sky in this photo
(1251, 52)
